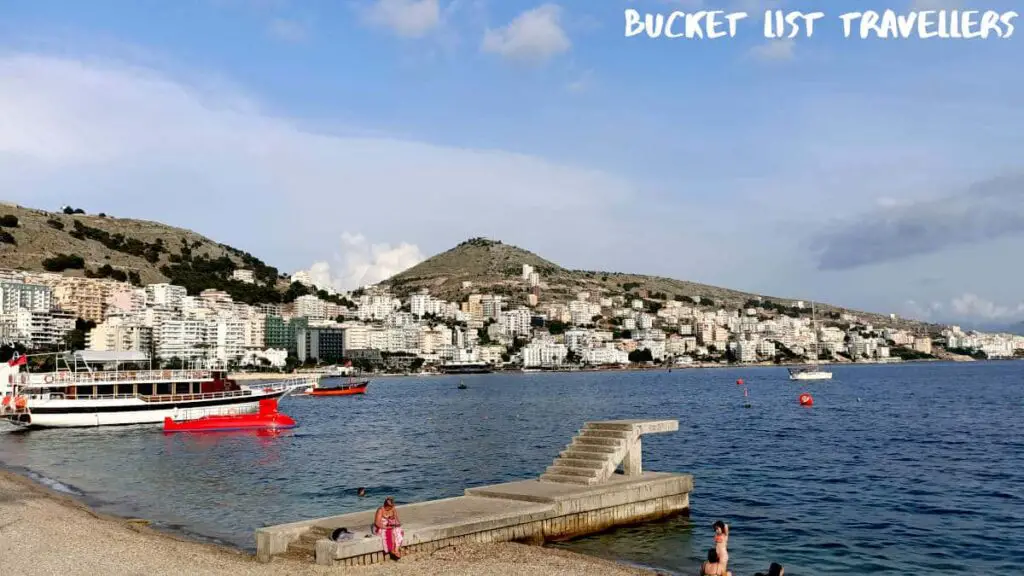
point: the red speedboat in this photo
(343, 390)
(268, 418)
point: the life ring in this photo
(806, 399)
(6, 401)
(48, 379)
(20, 402)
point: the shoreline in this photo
(44, 531)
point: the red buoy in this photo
(739, 382)
(806, 399)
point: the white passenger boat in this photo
(80, 395)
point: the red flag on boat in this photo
(17, 360)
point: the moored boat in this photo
(267, 418)
(80, 395)
(349, 389)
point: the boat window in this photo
(182, 388)
(124, 390)
(145, 389)
(163, 388)
(105, 390)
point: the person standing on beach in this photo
(387, 525)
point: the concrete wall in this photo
(536, 532)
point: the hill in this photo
(78, 244)
(493, 267)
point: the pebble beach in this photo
(43, 532)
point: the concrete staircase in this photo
(596, 452)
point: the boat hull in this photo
(337, 391)
(93, 413)
(811, 376)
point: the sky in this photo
(355, 138)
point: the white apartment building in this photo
(37, 329)
(183, 339)
(243, 275)
(577, 339)
(16, 296)
(516, 322)
(217, 300)
(310, 306)
(527, 270)
(541, 354)
(746, 350)
(166, 295)
(272, 357)
(491, 305)
(120, 334)
(226, 338)
(607, 354)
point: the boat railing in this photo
(185, 414)
(144, 397)
(100, 378)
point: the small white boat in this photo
(810, 373)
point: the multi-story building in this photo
(243, 275)
(86, 298)
(120, 334)
(310, 307)
(185, 340)
(323, 344)
(16, 296)
(226, 337)
(165, 295)
(544, 354)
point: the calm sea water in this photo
(907, 469)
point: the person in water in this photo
(775, 569)
(361, 492)
(389, 528)
(714, 565)
(722, 543)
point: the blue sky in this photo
(362, 136)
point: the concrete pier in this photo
(580, 494)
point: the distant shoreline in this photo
(713, 365)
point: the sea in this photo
(895, 469)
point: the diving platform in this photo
(582, 493)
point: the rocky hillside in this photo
(74, 243)
(493, 267)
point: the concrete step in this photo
(574, 454)
(565, 479)
(560, 470)
(621, 434)
(590, 463)
(596, 444)
(607, 426)
(595, 448)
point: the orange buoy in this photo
(739, 382)
(806, 399)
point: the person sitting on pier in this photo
(389, 528)
(714, 566)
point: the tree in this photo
(556, 327)
(638, 356)
(55, 224)
(9, 221)
(7, 238)
(62, 262)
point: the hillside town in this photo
(372, 328)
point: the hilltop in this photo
(491, 266)
(74, 243)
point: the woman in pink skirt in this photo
(389, 528)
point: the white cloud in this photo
(774, 50)
(130, 141)
(361, 263)
(288, 30)
(410, 18)
(975, 307)
(533, 36)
